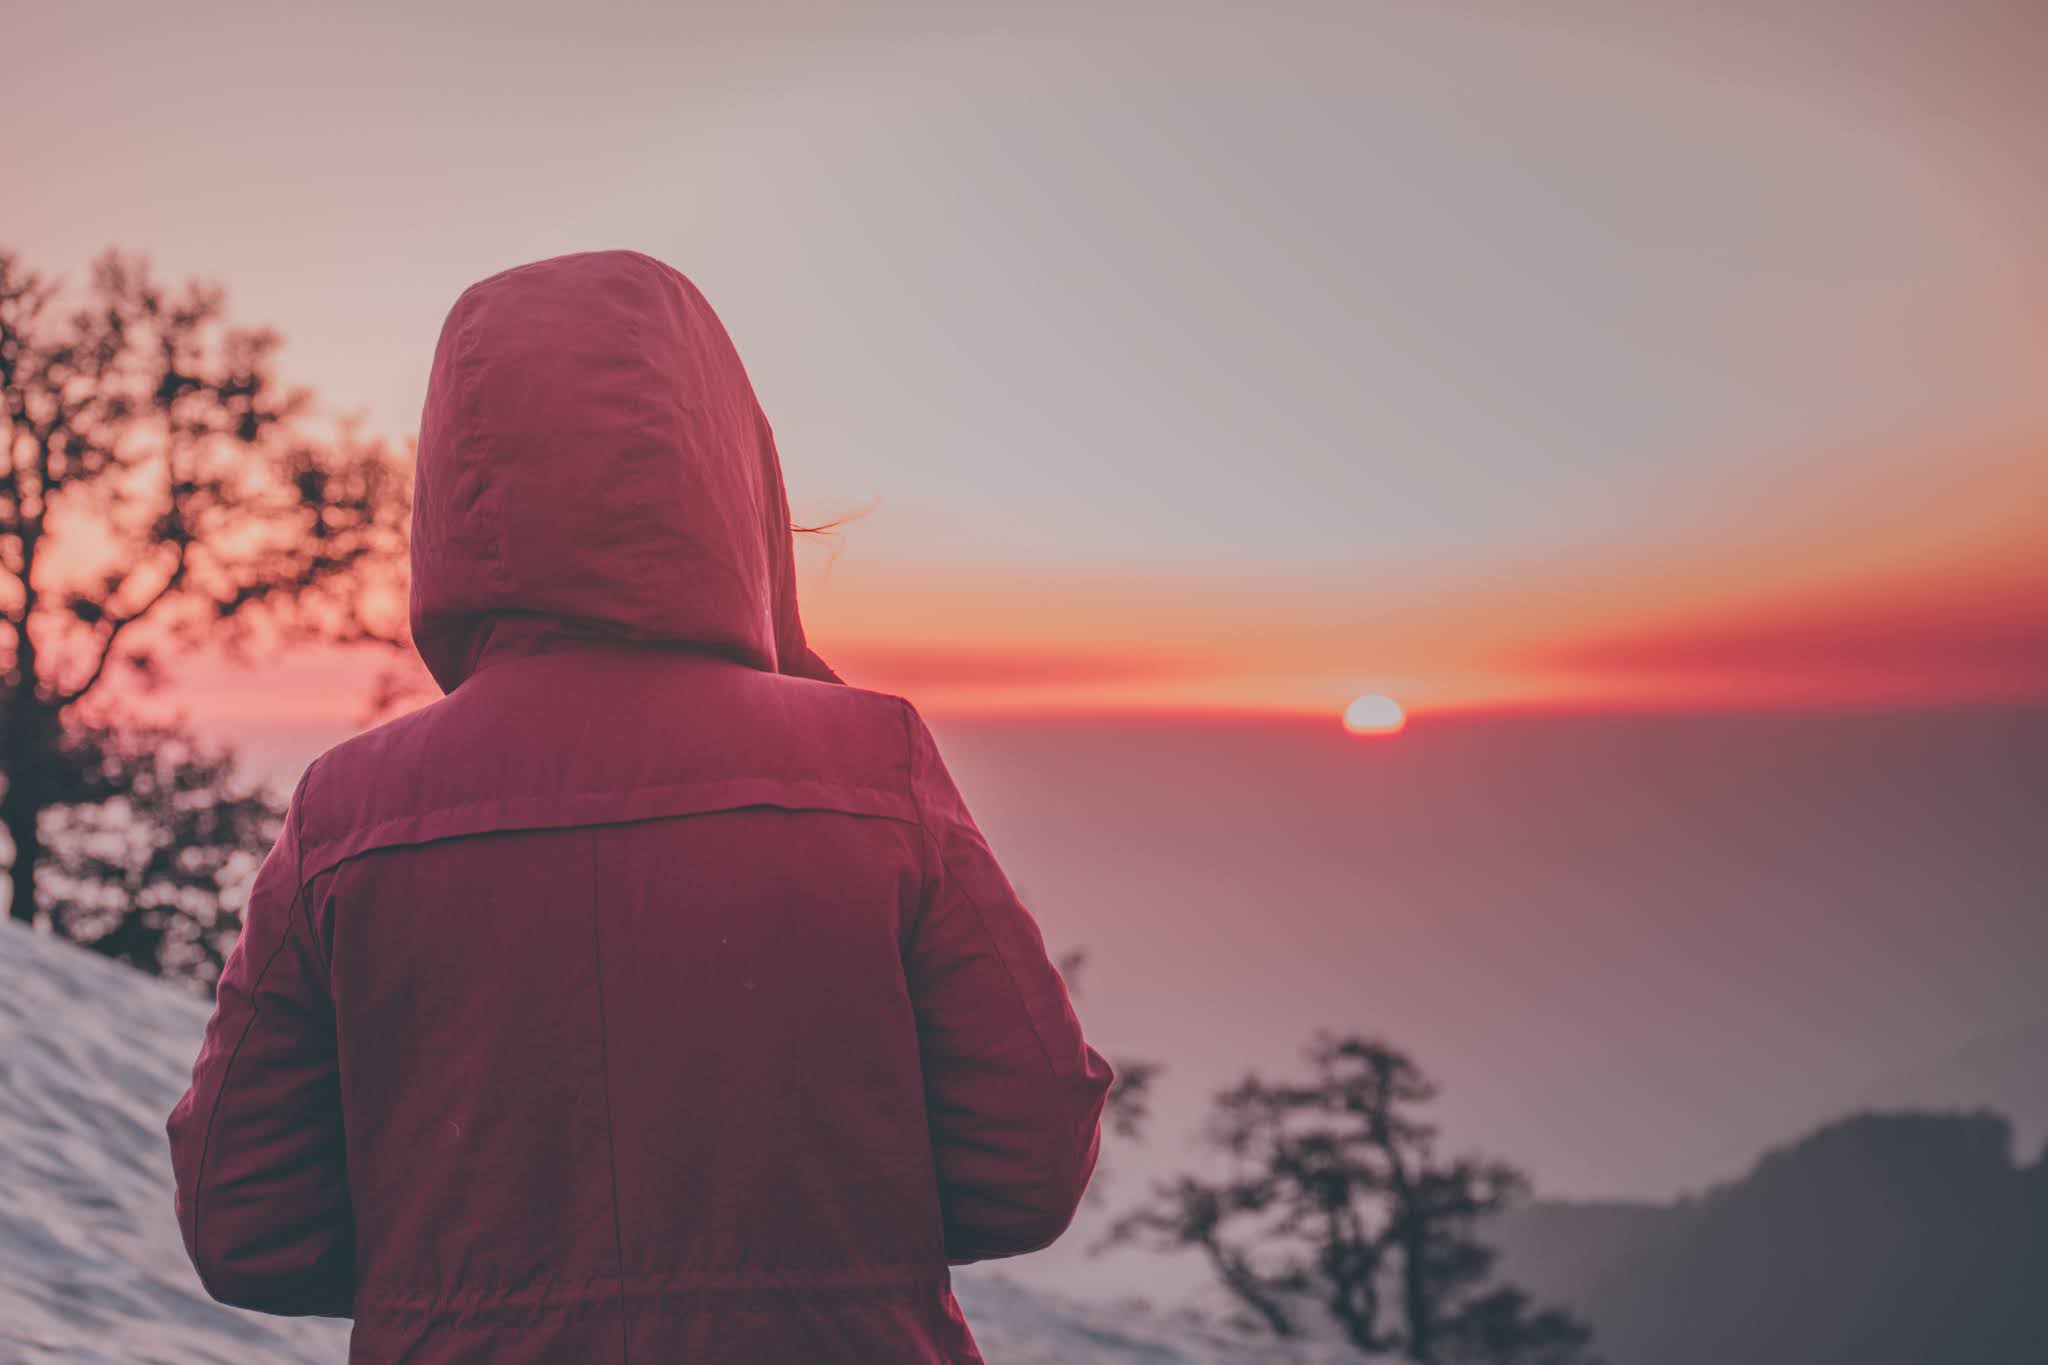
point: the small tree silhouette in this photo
(158, 490)
(151, 852)
(1341, 1201)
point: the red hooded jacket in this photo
(651, 996)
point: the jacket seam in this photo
(489, 492)
(779, 1275)
(493, 1319)
(373, 840)
(638, 1288)
(604, 1074)
(1059, 1082)
(213, 1116)
(982, 917)
(255, 1013)
(924, 835)
(301, 902)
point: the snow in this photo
(93, 1056)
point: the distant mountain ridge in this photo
(1881, 1239)
(2005, 1070)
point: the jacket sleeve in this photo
(1013, 1092)
(256, 1142)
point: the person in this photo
(651, 996)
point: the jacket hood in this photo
(592, 457)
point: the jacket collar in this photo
(514, 635)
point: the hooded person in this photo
(652, 995)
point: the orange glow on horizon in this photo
(1935, 599)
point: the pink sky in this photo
(1186, 358)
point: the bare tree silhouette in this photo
(159, 491)
(1339, 1200)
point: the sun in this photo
(1375, 715)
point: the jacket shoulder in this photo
(562, 740)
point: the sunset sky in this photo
(1198, 356)
(1654, 402)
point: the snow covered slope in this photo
(93, 1056)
